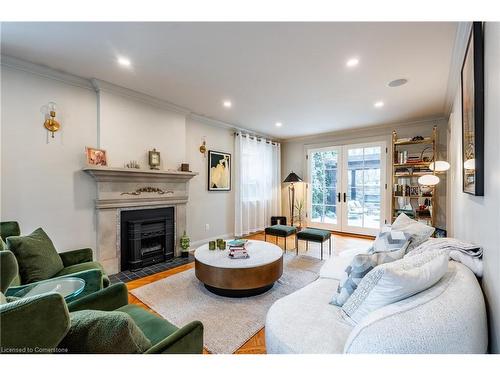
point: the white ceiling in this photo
(293, 73)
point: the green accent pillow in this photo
(9, 228)
(94, 331)
(3, 245)
(36, 256)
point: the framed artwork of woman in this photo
(219, 171)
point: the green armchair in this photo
(29, 324)
(75, 261)
(43, 321)
(164, 336)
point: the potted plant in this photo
(299, 207)
(185, 241)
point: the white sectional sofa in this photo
(449, 317)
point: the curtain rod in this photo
(257, 138)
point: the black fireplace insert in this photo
(147, 237)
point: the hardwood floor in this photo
(256, 344)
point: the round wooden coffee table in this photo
(239, 277)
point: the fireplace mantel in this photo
(120, 189)
(110, 174)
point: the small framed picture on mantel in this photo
(219, 171)
(96, 157)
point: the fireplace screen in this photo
(147, 237)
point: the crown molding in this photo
(361, 130)
(457, 58)
(100, 85)
(226, 125)
(45, 71)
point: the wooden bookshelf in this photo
(404, 180)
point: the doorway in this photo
(346, 187)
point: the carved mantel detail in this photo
(147, 189)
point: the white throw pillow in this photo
(419, 231)
(393, 282)
(359, 267)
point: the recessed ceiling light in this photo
(379, 104)
(227, 103)
(398, 82)
(352, 62)
(123, 61)
(279, 124)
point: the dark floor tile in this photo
(126, 276)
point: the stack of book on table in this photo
(237, 249)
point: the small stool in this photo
(279, 231)
(314, 235)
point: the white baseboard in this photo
(198, 243)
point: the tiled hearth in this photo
(126, 276)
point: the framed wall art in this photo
(473, 113)
(219, 171)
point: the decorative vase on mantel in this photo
(185, 241)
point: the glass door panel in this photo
(323, 193)
(363, 201)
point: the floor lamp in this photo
(291, 178)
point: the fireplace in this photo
(147, 237)
(128, 191)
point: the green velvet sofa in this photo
(39, 324)
(76, 262)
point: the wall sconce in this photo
(50, 123)
(203, 147)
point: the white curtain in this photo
(257, 187)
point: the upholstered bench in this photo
(314, 235)
(279, 231)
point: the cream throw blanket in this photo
(466, 253)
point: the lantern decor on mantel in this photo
(154, 159)
(50, 122)
(291, 179)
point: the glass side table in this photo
(68, 287)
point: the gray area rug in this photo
(228, 322)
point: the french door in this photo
(346, 187)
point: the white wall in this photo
(215, 208)
(293, 153)
(129, 129)
(477, 219)
(42, 185)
